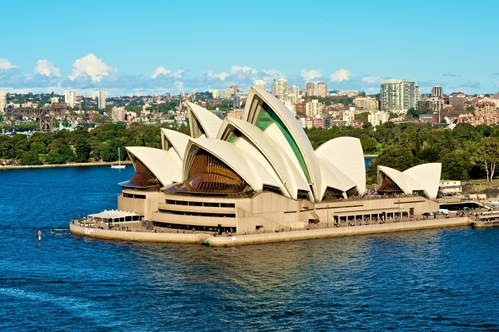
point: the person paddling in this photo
(39, 235)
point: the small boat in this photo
(118, 165)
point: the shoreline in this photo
(103, 163)
(141, 235)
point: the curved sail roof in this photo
(247, 167)
(279, 162)
(202, 122)
(334, 177)
(158, 161)
(346, 154)
(427, 176)
(263, 109)
(423, 177)
(174, 139)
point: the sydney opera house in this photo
(261, 172)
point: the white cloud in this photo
(91, 66)
(6, 64)
(370, 79)
(161, 71)
(311, 74)
(244, 69)
(340, 75)
(166, 72)
(47, 68)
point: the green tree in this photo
(487, 156)
(82, 149)
(30, 158)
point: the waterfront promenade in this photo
(133, 231)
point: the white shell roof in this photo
(177, 140)
(334, 177)
(243, 164)
(209, 121)
(289, 176)
(295, 130)
(427, 176)
(423, 177)
(397, 177)
(346, 154)
(159, 162)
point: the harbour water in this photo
(435, 280)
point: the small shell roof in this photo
(240, 162)
(427, 176)
(159, 162)
(209, 121)
(177, 140)
(423, 177)
(346, 154)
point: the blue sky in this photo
(156, 46)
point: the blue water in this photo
(436, 280)
(367, 161)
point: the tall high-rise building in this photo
(102, 99)
(3, 102)
(310, 87)
(437, 91)
(282, 89)
(70, 98)
(261, 84)
(322, 89)
(398, 95)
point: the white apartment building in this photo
(313, 108)
(261, 84)
(398, 95)
(280, 89)
(349, 116)
(70, 98)
(3, 102)
(293, 94)
(101, 99)
(378, 118)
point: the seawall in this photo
(237, 240)
(223, 241)
(107, 234)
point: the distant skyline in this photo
(156, 46)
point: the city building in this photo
(437, 91)
(232, 90)
(3, 101)
(457, 101)
(261, 84)
(322, 89)
(310, 88)
(261, 173)
(118, 114)
(70, 98)
(398, 95)
(377, 118)
(366, 103)
(101, 99)
(280, 89)
(313, 107)
(450, 188)
(293, 94)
